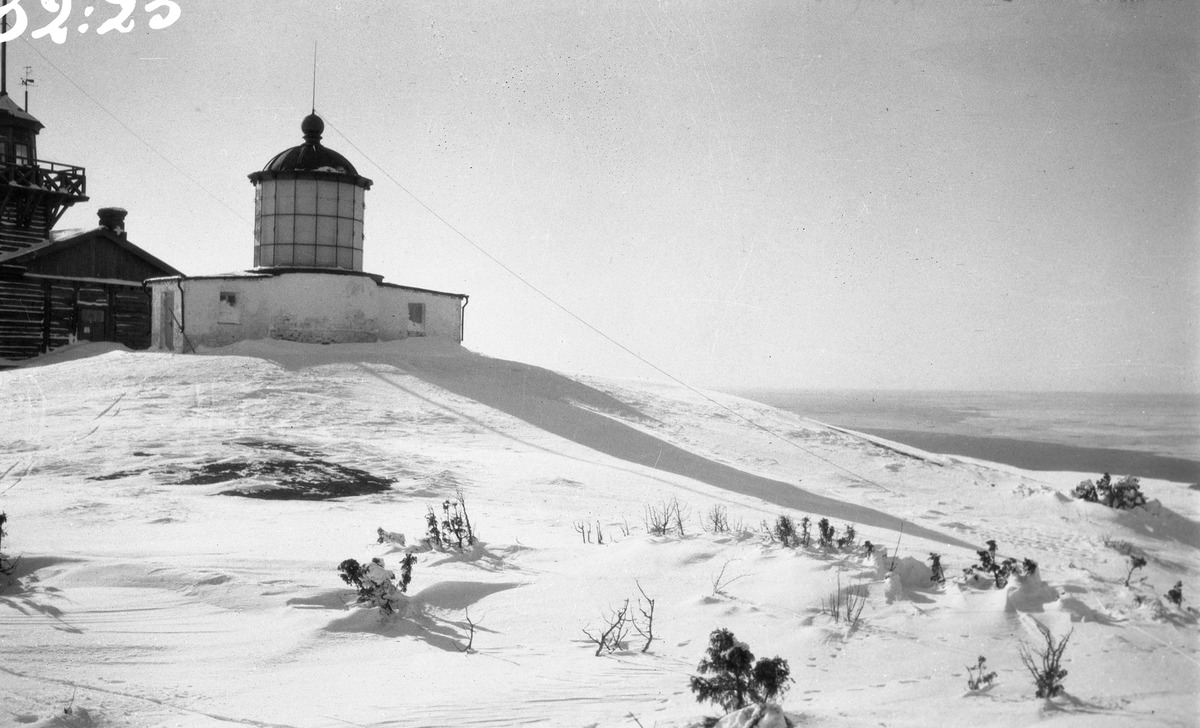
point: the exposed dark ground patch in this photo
(305, 475)
(117, 475)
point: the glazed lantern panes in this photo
(308, 207)
(308, 222)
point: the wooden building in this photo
(83, 286)
(55, 290)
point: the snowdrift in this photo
(179, 521)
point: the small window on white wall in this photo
(228, 311)
(416, 313)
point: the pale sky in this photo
(942, 195)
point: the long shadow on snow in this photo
(535, 395)
(421, 621)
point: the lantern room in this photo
(308, 207)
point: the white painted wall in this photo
(296, 306)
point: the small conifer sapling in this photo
(935, 563)
(828, 533)
(731, 678)
(1175, 594)
(785, 530)
(432, 529)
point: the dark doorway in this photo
(91, 324)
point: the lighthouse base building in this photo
(305, 305)
(308, 284)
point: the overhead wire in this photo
(133, 133)
(466, 238)
(479, 248)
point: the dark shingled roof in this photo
(12, 113)
(311, 156)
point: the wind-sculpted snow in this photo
(140, 601)
(547, 400)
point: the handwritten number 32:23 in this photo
(18, 20)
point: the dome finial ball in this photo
(313, 127)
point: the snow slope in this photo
(145, 597)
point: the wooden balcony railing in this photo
(46, 176)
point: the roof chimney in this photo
(113, 218)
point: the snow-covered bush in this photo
(1175, 594)
(1047, 670)
(7, 565)
(1125, 494)
(376, 584)
(977, 678)
(767, 715)
(999, 571)
(736, 679)
(390, 537)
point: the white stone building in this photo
(308, 284)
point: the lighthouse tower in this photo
(308, 207)
(307, 284)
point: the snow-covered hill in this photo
(151, 590)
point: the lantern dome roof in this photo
(311, 156)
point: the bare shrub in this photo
(720, 582)
(465, 516)
(666, 517)
(1046, 665)
(716, 519)
(616, 627)
(681, 514)
(845, 605)
(585, 530)
(647, 612)
(470, 648)
(1120, 546)
(658, 518)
